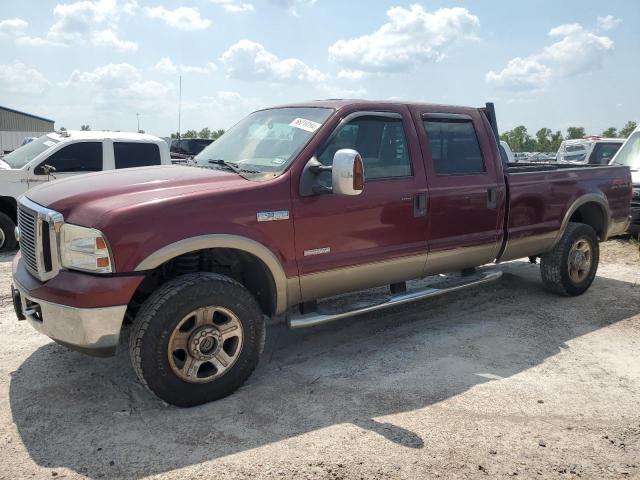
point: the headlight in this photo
(83, 248)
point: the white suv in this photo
(589, 150)
(63, 154)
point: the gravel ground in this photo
(501, 380)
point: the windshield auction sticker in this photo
(307, 125)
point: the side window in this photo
(454, 147)
(603, 153)
(77, 157)
(381, 143)
(135, 154)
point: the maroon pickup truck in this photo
(296, 204)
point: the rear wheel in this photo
(197, 339)
(569, 269)
(7, 233)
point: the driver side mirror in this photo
(347, 175)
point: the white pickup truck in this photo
(63, 154)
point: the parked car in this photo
(629, 155)
(589, 150)
(184, 149)
(506, 153)
(64, 154)
(296, 204)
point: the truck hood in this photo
(98, 193)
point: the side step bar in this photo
(317, 318)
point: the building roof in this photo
(26, 114)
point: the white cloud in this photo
(94, 21)
(13, 26)
(182, 18)
(577, 51)
(411, 36)
(292, 5)
(19, 78)
(347, 74)
(608, 23)
(108, 38)
(247, 60)
(233, 6)
(119, 87)
(166, 65)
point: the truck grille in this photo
(28, 225)
(38, 238)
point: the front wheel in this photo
(7, 233)
(197, 339)
(569, 269)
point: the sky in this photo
(544, 63)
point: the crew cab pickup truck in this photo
(63, 154)
(292, 205)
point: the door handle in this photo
(420, 205)
(492, 198)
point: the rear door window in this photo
(136, 154)
(77, 157)
(454, 147)
(603, 153)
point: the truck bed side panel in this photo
(540, 204)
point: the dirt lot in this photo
(501, 380)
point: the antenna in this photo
(179, 106)
(138, 118)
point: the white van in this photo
(63, 154)
(589, 150)
(629, 155)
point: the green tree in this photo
(556, 140)
(190, 134)
(518, 139)
(575, 132)
(85, 128)
(543, 140)
(628, 129)
(611, 132)
(204, 133)
(216, 134)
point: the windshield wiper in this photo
(231, 166)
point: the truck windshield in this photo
(266, 141)
(23, 155)
(629, 154)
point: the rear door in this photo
(135, 154)
(466, 190)
(347, 243)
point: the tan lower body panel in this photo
(528, 246)
(360, 277)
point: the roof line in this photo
(26, 114)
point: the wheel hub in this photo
(205, 342)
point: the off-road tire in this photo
(8, 228)
(160, 314)
(554, 265)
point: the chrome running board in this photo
(318, 318)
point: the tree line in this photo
(204, 133)
(546, 140)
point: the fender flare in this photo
(235, 242)
(597, 198)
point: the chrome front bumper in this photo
(95, 331)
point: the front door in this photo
(348, 243)
(466, 196)
(73, 159)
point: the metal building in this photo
(15, 126)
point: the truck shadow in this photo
(93, 417)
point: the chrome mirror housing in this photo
(347, 173)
